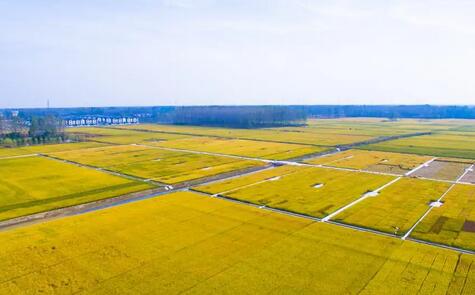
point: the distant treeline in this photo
(238, 116)
(392, 111)
(15, 131)
(251, 116)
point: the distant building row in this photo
(93, 121)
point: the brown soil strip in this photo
(469, 226)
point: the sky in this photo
(194, 52)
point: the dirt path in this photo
(18, 156)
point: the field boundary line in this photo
(277, 177)
(18, 156)
(335, 223)
(293, 163)
(110, 202)
(363, 197)
(282, 162)
(219, 136)
(262, 207)
(426, 164)
(130, 177)
(469, 169)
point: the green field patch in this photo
(457, 145)
(35, 184)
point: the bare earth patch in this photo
(469, 226)
(469, 177)
(443, 170)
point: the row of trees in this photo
(392, 111)
(238, 116)
(17, 132)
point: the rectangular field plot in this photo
(35, 184)
(457, 145)
(186, 243)
(156, 164)
(189, 243)
(239, 147)
(372, 161)
(454, 222)
(300, 136)
(120, 136)
(46, 148)
(443, 170)
(396, 208)
(312, 191)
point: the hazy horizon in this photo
(205, 52)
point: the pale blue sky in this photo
(144, 52)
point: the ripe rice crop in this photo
(46, 148)
(120, 136)
(156, 164)
(35, 184)
(239, 147)
(372, 161)
(450, 223)
(313, 191)
(397, 208)
(188, 243)
(300, 136)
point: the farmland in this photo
(162, 209)
(117, 136)
(397, 207)
(258, 252)
(35, 184)
(373, 161)
(313, 191)
(299, 136)
(443, 170)
(452, 223)
(47, 148)
(155, 164)
(455, 145)
(239, 147)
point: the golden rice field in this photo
(186, 243)
(312, 191)
(300, 136)
(35, 184)
(46, 148)
(118, 136)
(372, 161)
(454, 222)
(396, 208)
(457, 145)
(156, 164)
(195, 243)
(239, 147)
